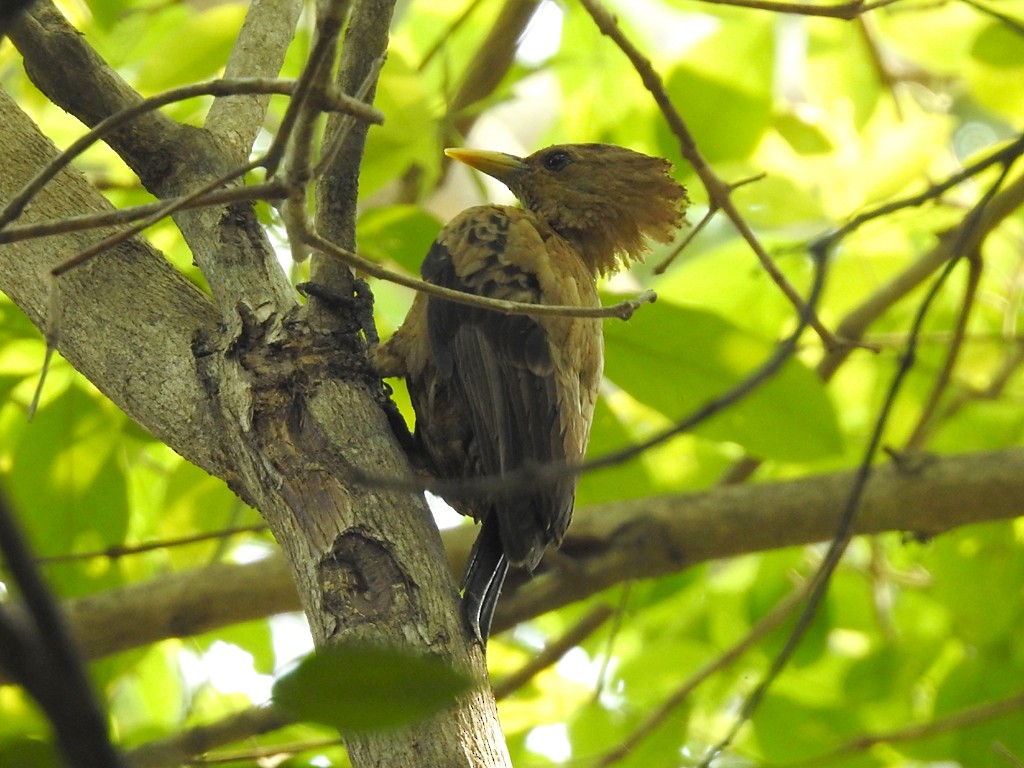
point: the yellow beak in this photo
(496, 164)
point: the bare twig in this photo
(181, 748)
(1002, 156)
(853, 326)
(844, 11)
(17, 204)
(927, 417)
(272, 190)
(1015, 24)
(166, 209)
(954, 722)
(554, 650)
(1004, 752)
(123, 550)
(844, 529)
(269, 754)
(764, 626)
(341, 134)
(718, 190)
(713, 208)
(623, 310)
(450, 30)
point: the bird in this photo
(494, 393)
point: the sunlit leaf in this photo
(699, 356)
(399, 233)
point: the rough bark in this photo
(244, 387)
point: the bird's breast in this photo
(509, 253)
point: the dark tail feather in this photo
(482, 583)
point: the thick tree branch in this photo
(258, 52)
(291, 410)
(170, 159)
(131, 298)
(606, 545)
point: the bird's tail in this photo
(484, 577)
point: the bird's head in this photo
(603, 198)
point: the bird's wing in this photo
(502, 367)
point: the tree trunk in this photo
(244, 386)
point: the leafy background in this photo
(839, 116)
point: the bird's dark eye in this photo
(557, 160)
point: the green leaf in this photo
(200, 44)
(399, 233)
(731, 120)
(405, 139)
(999, 46)
(356, 687)
(722, 89)
(804, 136)
(68, 485)
(627, 480)
(995, 69)
(789, 729)
(675, 359)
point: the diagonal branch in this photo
(131, 298)
(258, 51)
(719, 192)
(170, 159)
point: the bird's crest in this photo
(606, 200)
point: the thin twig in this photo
(713, 208)
(450, 30)
(1004, 752)
(324, 49)
(927, 417)
(1005, 154)
(182, 748)
(168, 208)
(613, 634)
(298, 162)
(341, 134)
(844, 11)
(271, 190)
(718, 191)
(222, 87)
(554, 650)
(853, 326)
(764, 626)
(954, 722)
(1015, 24)
(121, 550)
(844, 528)
(54, 314)
(622, 310)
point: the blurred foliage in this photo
(363, 688)
(840, 116)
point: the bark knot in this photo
(360, 579)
